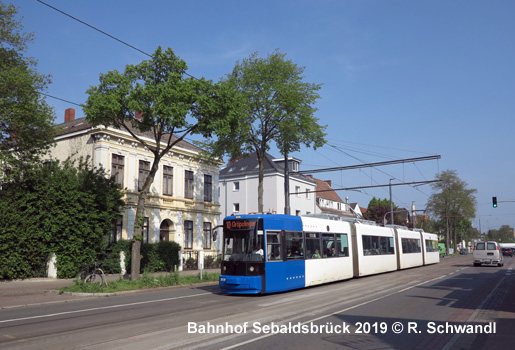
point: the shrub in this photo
(60, 208)
(111, 260)
(163, 256)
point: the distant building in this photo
(328, 201)
(239, 187)
(182, 205)
(308, 195)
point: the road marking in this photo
(471, 318)
(102, 308)
(335, 313)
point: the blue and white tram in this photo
(273, 253)
(430, 248)
(409, 248)
(265, 253)
(374, 249)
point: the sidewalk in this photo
(35, 291)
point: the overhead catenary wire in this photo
(335, 141)
(376, 165)
(102, 32)
(95, 28)
(61, 99)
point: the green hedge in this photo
(63, 208)
(155, 257)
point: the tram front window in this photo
(242, 247)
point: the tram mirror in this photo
(214, 236)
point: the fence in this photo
(191, 260)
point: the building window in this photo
(188, 184)
(236, 186)
(117, 166)
(144, 170)
(236, 208)
(208, 188)
(297, 190)
(145, 230)
(117, 229)
(188, 234)
(307, 193)
(297, 212)
(207, 235)
(167, 180)
(164, 231)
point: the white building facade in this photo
(182, 205)
(238, 187)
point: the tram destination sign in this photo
(241, 224)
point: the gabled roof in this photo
(248, 165)
(324, 190)
(80, 124)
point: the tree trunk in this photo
(286, 185)
(448, 241)
(138, 235)
(260, 182)
(135, 260)
(139, 220)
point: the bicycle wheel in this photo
(94, 278)
(83, 274)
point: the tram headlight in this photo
(251, 268)
(225, 268)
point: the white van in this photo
(488, 253)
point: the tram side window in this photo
(328, 245)
(342, 245)
(313, 245)
(410, 245)
(273, 246)
(294, 246)
(431, 246)
(376, 245)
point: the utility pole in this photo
(413, 213)
(286, 184)
(391, 203)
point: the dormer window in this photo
(294, 166)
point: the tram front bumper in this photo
(240, 284)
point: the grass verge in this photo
(146, 281)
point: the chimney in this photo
(69, 115)
(328, 182)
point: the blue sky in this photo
(401, 79)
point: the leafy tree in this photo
(493, 235)
(465, 231)
(66, 209)
(451, 203)
(378, 209)
(275, 105)
(504, 234)
(427, 224)
(26, 120)
(172, 106)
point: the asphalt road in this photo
(420, 308)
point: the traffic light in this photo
(494, 202)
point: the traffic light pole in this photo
(495, 201)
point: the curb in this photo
(134, 291)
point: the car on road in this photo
(488, 253)
(463, 251)
(507, 251)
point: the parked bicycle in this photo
(93, 274)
